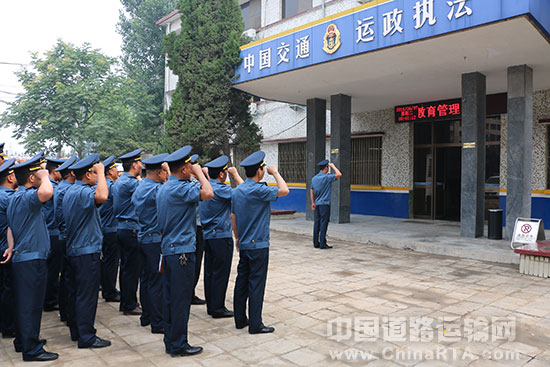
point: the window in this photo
(292, 161)
(293, 7)
(366, 161)
(251, 12)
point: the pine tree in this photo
(205, 111)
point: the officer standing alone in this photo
(176, 208)
(31, 247)
(251, 208)
(218, 240)
(321, 187)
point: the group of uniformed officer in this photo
(63, 230)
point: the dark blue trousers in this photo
(218, 254)
(130, 268)
(177, 291)
(7, 304)
(55, 259)
(151, 285)
(64, 283)
(322, 216)
(86, 278)
(199, 251)
(109, 265)
(250, 284)
(29, 289)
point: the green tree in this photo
(64, 90)
(142, 57)
(205, 111)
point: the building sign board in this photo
(431, 111)
(377, 25)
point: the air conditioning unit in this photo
(253, 108)
(250, 33)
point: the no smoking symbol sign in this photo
(526, 228)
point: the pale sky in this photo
(35, 25)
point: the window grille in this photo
(292, 161)
(366, 161)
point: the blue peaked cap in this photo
(254, 159)
(182, 153)
(32, 164)
(218, 163)
(85, 163)
(323, 163)
(109, 162)
(5, 168)
(69, 162)
(132, 155)
(156, 160)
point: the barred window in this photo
(366, 161)
(292, 161)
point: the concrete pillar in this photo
(473, 155)
(520, 145)
(315, 144)
(340, 155)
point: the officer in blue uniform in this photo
(218, 239)
(55, 256)
(176, 209)
(199, 244)
(3, 155)
(8, 184)
(320, 191)
(127, 229)
(32, 245)
(84, 246)
(145, 203)
(67, 179)
(110, 249)
(251, 211)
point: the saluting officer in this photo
(32, 245)
(8, 184)
(55, 257)
(145, 202)
(199, 244)
(3, 155)
(176, 208)
(67, 179)
(218, 239)
(251, 208)
(321, 185)
(127, 229)
(84, 246)
(110, 248)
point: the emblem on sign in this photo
(331, 40)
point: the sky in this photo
(28, 26)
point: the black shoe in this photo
(51, 308)
(325, 247)
(316, 246)
(99, 343)
(187, 351)
(115, 298)
(224, 313)
(8, 334)
(19, 350)
(241, 326)
(42, 357)
(144, 323)
(197, 301)
(263, 330)
(135, 312)
(159, 330)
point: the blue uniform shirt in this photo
(60, 219)
(28, 226)
(145, 203)
(250, 202)
(176, 208)
(125, 212)
(49, 212)
(196, 182)
(216, 213)
(321, 184)
(82, 219)
(5, 196)
(107, 211)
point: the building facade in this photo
(399, 129)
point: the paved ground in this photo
(352, 284)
